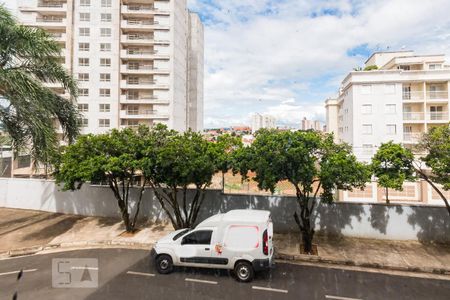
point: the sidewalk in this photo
(25, 232)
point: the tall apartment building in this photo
(137, 61)
(406, 96)
(311, 125)
(262, 121)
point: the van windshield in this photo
(181, 233)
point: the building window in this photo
(106, 17)
(390, 108)
(105, 62)
(83, 107)
(83, 47)
(105, 32)
(85, 31)
(105, 93)
(83, 77)
(104, 123)
(83, 122)
(105, 107)
(85, 2)
(105, 47)
(366, 89)
(391, 129)
(105, 77)
(389, 88)
(132, 123)
(133, 80)
(133, 110)
(83, 92)
(367, 149)
(367, 129)
(85, 17)
(434, 66)
(367, 109)
(106, 3)
(83, 62)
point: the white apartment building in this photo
(311, 125)
(137, 61)
(406, 96)
(262, 121)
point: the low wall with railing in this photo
(354, 219)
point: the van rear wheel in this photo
(164, 264)
(244, 271)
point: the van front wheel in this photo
(244, 271)
(164, 264)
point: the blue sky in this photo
(285, 57)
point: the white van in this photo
(239, 240)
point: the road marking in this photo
(269, 289)
(16, 272)
(84, 268)
(141, 273)
(340, 298)
(200, 281)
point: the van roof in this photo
(237, 215)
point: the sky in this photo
(286, 57)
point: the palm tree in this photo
(28, 58)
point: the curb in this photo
(73, 245)
(318, 259)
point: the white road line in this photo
(140, 273)
(84, 268)
(340, 298)
(16, 272)
(200, 281)
(269, 289)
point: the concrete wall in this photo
(399, 222)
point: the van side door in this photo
(196, 247)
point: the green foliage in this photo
(437, 145)
(371, 68)
(114, 158)
(29, 57)
(393, 165)
(185, 160)
(303, 158)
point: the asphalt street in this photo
(130, 274)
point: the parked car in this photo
(239, 240)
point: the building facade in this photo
(262, 121)
(399, 101)
(311, 125)
(136, 61)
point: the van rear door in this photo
(270, 236)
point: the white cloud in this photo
(286, 57)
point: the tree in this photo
(183, 161)
(393, 165)
(115, 158)
(29, 57)
(436, 143)
(310, 161)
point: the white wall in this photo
(379, 221)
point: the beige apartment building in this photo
(136, 61)
(400, 100)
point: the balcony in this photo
(412, 137)
(141, 99)
(58, 36)
(437, 95)
(143, 85)
(141, 69)
(50, 22)
(142, 40)
(135, 10)
(413, 116)
(438, 117)
(142, 54)
(143, 25)
(142, 114)
(47, 7)
(413, 95)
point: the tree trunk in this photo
(387, 195)
(306, 228)
(427, 179)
